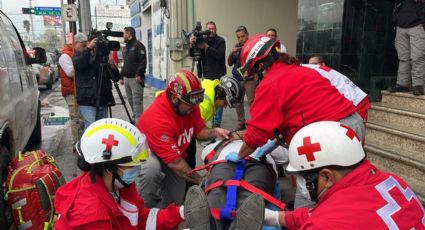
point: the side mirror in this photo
(39, 56)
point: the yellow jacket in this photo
(207, 106)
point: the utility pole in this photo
(84, 16)
(63, 26)
(32, 22)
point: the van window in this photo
(9, 55)
(14, 38)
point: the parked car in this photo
(20, 121)
(46, 73)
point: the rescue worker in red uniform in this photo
(169, 125)
(351, 192)
(288, 97)
(105, 195)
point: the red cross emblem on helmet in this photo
(308, 149)
(110, 142)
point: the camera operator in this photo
(133, 71)
(87, 83)
(212, 64)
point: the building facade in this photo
(159, 24)
(355, 37)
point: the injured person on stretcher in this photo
(235, 195)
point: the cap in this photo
(80, 37)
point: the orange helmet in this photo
(187, 87)
(255, 49)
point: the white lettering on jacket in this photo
(185, 137)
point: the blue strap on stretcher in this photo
(225, 213)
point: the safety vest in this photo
(207, 106)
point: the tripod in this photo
(105, 70)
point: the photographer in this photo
(213, 56)
(91, 89)
(133, 71)
(248, 83)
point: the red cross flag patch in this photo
(308, 149)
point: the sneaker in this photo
(418, 90)
(196, 210)
(398, 88)
(250, 215)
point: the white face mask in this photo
(301, 184)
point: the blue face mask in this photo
(129, 175)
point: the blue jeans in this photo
(89, 114)
(217, 117)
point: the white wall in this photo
(256, 15)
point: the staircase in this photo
(395, 137)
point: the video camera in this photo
(200, 37)
(103, 45)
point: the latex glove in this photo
(232, 157)
(271, 218)
(267, 148)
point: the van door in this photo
(23, 110)
(4, 85)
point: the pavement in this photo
(57, 138)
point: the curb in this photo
(54, 145)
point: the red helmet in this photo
(187, 87)
(255, 49)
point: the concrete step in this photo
(410, 170)
(412, 145)
(402, 119)
(403, 101)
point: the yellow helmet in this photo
(113, 141)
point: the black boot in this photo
(418, 90)
(398, 88)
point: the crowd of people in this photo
(142, 176)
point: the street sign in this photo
(54, 11)
(69, 12)
(27, 10)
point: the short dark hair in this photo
(211, 22)
(272, 29)
(241, 28)
(130, 30)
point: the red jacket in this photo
(168, 133)
(83, 205)
(67, 83)
(290, 97)
(366, 198)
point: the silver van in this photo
(20, 122)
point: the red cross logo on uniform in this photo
(109, 142)
(308, 149)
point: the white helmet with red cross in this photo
(113, 141)
(324, 143)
